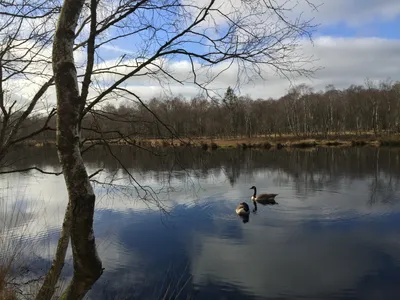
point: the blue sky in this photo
(387, 29)
(343, 18)
(356, 40)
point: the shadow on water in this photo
(333, 235)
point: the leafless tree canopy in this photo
(25, 35)
(301, 112)
(247, 35)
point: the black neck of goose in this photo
(255, 192)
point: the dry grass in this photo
(10, 248)
(15, 251)
(347, 139)
(274, 142)
(6, 293)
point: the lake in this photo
(334, 233)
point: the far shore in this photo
(259, 142)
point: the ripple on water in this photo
(324, 231)
(114, 254)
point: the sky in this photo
(355, 40)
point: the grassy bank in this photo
(330, 141)
(285, 141)
(259, 142)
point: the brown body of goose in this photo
(263, 198)
(243, 209)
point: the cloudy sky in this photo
(355, 40)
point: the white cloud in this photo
(345, 61)
(353, 13)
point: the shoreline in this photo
(264, 142)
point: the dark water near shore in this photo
(334, 234)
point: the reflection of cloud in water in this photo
(331, 195)
(37, 254)
(157, 243)
(44, 200)
(317, 257)
(295, 261)
(323, 236)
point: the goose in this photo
(263, 198)
(243, 209)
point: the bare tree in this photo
(25, 33)
(251, 35)
(87, 265)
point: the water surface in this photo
(333, 235)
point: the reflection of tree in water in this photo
(309, 170)
(383, 185)
(233, 165)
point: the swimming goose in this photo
(263, 198)
(243, 209)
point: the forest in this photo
(370, 108)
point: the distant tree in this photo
(231, 102)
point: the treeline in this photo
(301, 112)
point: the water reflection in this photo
(333, 235)
(310, 171)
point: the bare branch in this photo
(30, 169)
(95, 173)
(90, 52)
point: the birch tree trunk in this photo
(48, 287)
(87, 265)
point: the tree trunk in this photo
(48, 287)
(376, 117)
(87, 265)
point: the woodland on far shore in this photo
(359, 114)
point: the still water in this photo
(334, 233)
